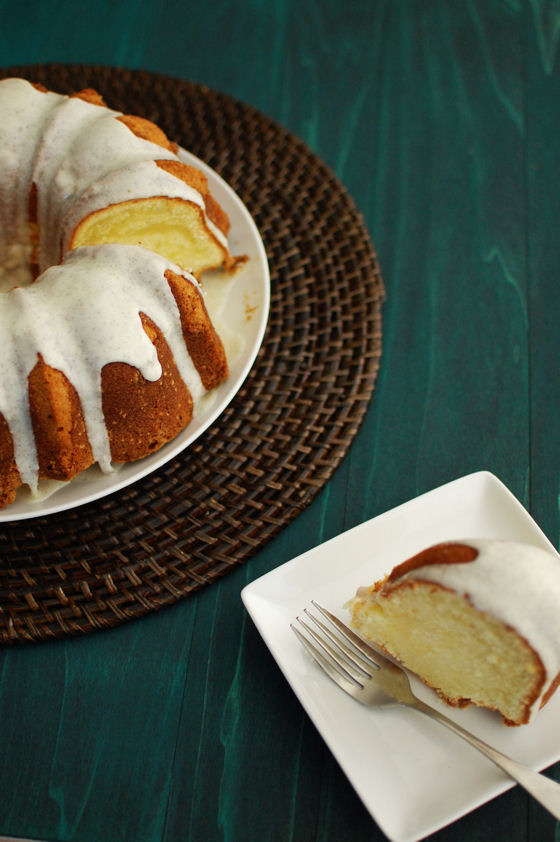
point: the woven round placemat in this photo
(283, 435)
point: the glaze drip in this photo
(79, 317)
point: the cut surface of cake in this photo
(107, 347)
(477, 620)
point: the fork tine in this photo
(336, 655)
(355, 658)
(373, 655)
(350, 686)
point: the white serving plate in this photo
(413, 775)
(240, 313)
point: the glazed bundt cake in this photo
(106, 354)
(477, 620)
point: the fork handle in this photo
(543, 789)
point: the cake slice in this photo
(102, 177)
(476, 620)
(168, 209)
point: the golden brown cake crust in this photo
(142, 415)
(147, 131)
(89, 95)
(196, 179)
(446, 553)
(9, 475)
(63, 448)
(551, 690)
(203, 343)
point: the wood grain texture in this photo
(442, 120)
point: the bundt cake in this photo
(106, 344)
(477, 620)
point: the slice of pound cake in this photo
(477, 620)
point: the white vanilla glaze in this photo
(517, 583)
(80, 316)
(25, 114)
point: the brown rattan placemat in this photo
(286, 431)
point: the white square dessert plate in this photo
(413, 775)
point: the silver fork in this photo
(375, 681)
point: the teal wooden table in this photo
(441, 118)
